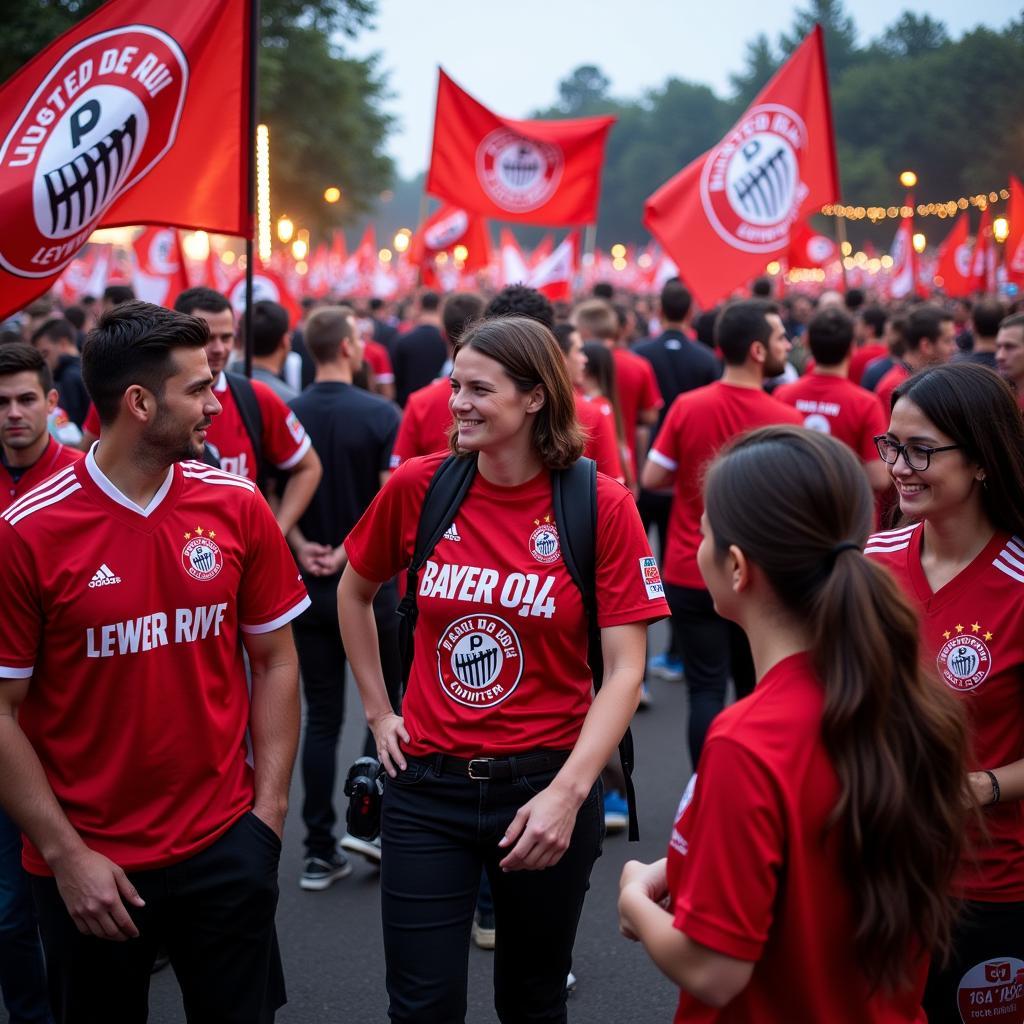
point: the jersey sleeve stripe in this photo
(662, 460)
(303, 448)
(203, 472)
(37, 506)
(45, 488)
(8, 672)
(1003, 567)
(281, 620)
(904, 531)
(886, 547)
(224, 481)
(1014, 545)
(1010, 559)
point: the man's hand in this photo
(95, 890)
(333, 563)
(272, 818)
(540, 831)
(646, 881)
(311, 556)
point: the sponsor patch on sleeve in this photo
(651, 578)
(295, 428)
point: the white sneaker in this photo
(368, 848)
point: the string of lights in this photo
(950, 208)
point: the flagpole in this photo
(841, 239)
(250, 253)
(589, 246)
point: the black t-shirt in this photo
(982, 358)
(417, 359)
(680, 365)
(73, 398)
(875, 371)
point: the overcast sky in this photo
(512, 55)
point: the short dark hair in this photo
(57, 329)
(521, 300)
(269, 326)
(75, 316)
(459, 311)
(603, 290)
(986, 316)
(854, 299)
(876, 318)
(119, 293)
(134, 344)
(430, 302)
(376, 304)
(1016, 320)
(326, 328)
(739, 325)
(830, 335)
(675, 301)
(22, 358)
(761, 288)
(924, 324)
(563, 332)
(704, 326)
(206, 299)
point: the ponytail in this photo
(896, 739)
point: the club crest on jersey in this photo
(750, 185)
(201, 556)
(101, 119)
(965, 660)
(519, 174)
(992, 989)
(544, 541)
(479, 660)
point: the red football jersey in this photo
(887, 385)
(837, 406)
(55, 457)
(500, 662)
(128, 623)
(380, 362)
(755, 872)
(860, 358)
(602, 443)
(637, 389)
(425, 422)
(698, 425)
(972, 632)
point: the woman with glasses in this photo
(955, 449)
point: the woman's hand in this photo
(640, 882)
(541, 830)
(979, 785)
(389, 732)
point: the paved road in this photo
(331, 941)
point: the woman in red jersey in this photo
(809, 869)
(495, 759)
(955, 449)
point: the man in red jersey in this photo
(930, 341)
(829, 400)
(871, 344)
(753, 343)
(150, 788)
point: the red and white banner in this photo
(555, 274)
(808, 249)
(514, 269)
(730, 211)
(160, 273)
(461, 236)
(983, 262)
(269, 285)
(535, 172)
(904, 273)
(954, 265)
(112, 124)
(1014, 252)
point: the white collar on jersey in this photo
(221, 383)
(102, 481)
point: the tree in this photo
(913, 35)
(584, 89)
(840, 34)
(761, 64)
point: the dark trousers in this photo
(655, 507)
(713, 649)
(213, 913)
(322, 661)
(981, 980)
(22, 977)
(438, 830)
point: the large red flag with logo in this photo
(112, 124)
(160, 272)
(267, 285)
(955, 260)
(1014, 252)
(809, 248)
(730, 211)
(447, 229)
(535, 172)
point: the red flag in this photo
(955, 260)
(160, 273)
(112, 124)
(807, 248)
(983, 262)
(513, 264)
(1014, 252)
(903, 276)
(554, 276)
(446, 230)
(266, 284)
(535, 172)
(733, 208)
(544, 249)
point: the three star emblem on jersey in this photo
(103, 117)
(964, 661)
(479, 660)
(201, 556)
(544, 541)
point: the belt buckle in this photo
(485, 762)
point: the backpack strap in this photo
(244, 395)
(574, 496)
(448, 488)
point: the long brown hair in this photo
(529, 354)
(897, 740)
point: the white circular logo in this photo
(446, 232)
(750, 184)
(820, 249)
(519, 174)
(202, 558)
(479, 660)
(544, 543)
(962, 259)
(964, 662)
(818, 422)
(263, 290)
(163, 253)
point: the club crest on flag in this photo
(519, 174)
(750, 186)
(98, 122)
(447, 231)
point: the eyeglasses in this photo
(917, 456)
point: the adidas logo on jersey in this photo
(103, 577)
(452, 533)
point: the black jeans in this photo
(981, 980)
(322, 661)
(437, 831)
(214, 914)
(713, 649)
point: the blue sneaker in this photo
(616, 812)
(664, 666)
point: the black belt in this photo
(482, 769)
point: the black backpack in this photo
(574, 496)
(244, 394)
